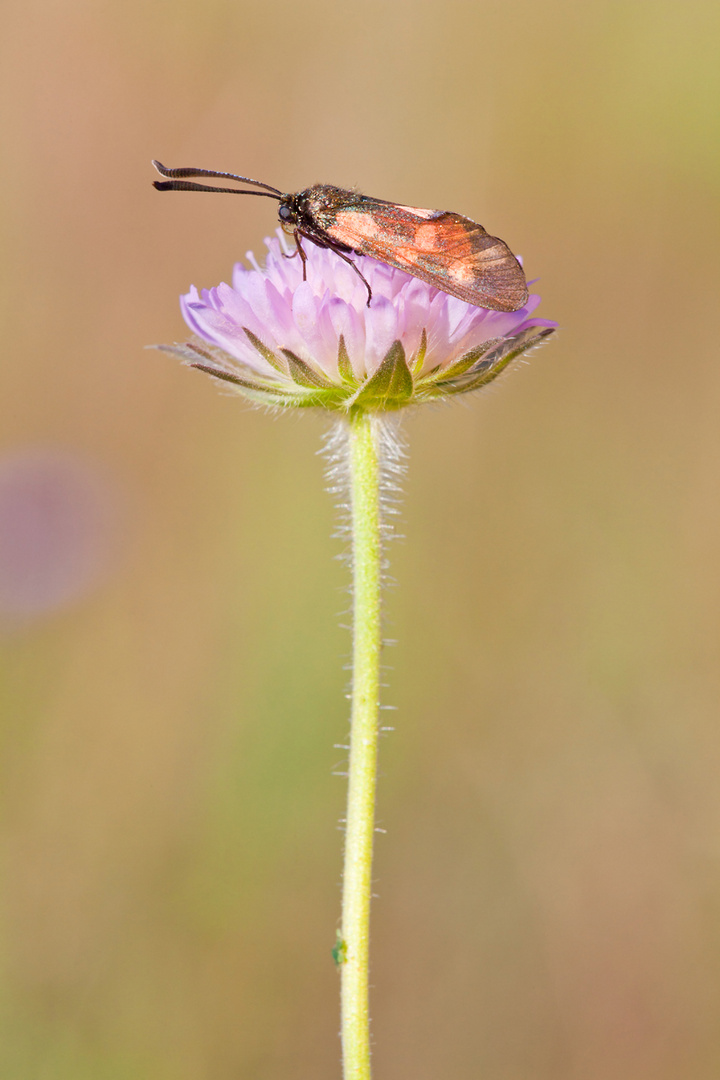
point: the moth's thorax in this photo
(314, 210)
(321, 202)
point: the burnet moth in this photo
(448, 251)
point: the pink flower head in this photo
(285, 342)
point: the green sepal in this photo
(473, 382)
(344, 366)
(317, 399)
(390, 386)
(203, 359)
(418, 360)
(260, 392)
(265, 352)
(302, 373)
(459, 367)
(235, 379)
(491, 366)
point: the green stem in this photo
(360, 820)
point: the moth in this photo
(448, 251)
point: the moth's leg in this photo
(297, 247)
(300, 251)
(355, 267)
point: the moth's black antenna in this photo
(183, 185)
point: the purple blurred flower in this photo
(285, 342)
(55, 524)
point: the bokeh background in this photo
(170, 606)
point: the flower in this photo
(57, 522)
(285, 342)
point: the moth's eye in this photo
(285, 213)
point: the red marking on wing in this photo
(448, 251)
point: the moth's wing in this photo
(449, 251)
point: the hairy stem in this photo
(360, 821)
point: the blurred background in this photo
(170, 606)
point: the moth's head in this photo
(288, 210)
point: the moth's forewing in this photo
(446, 250)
